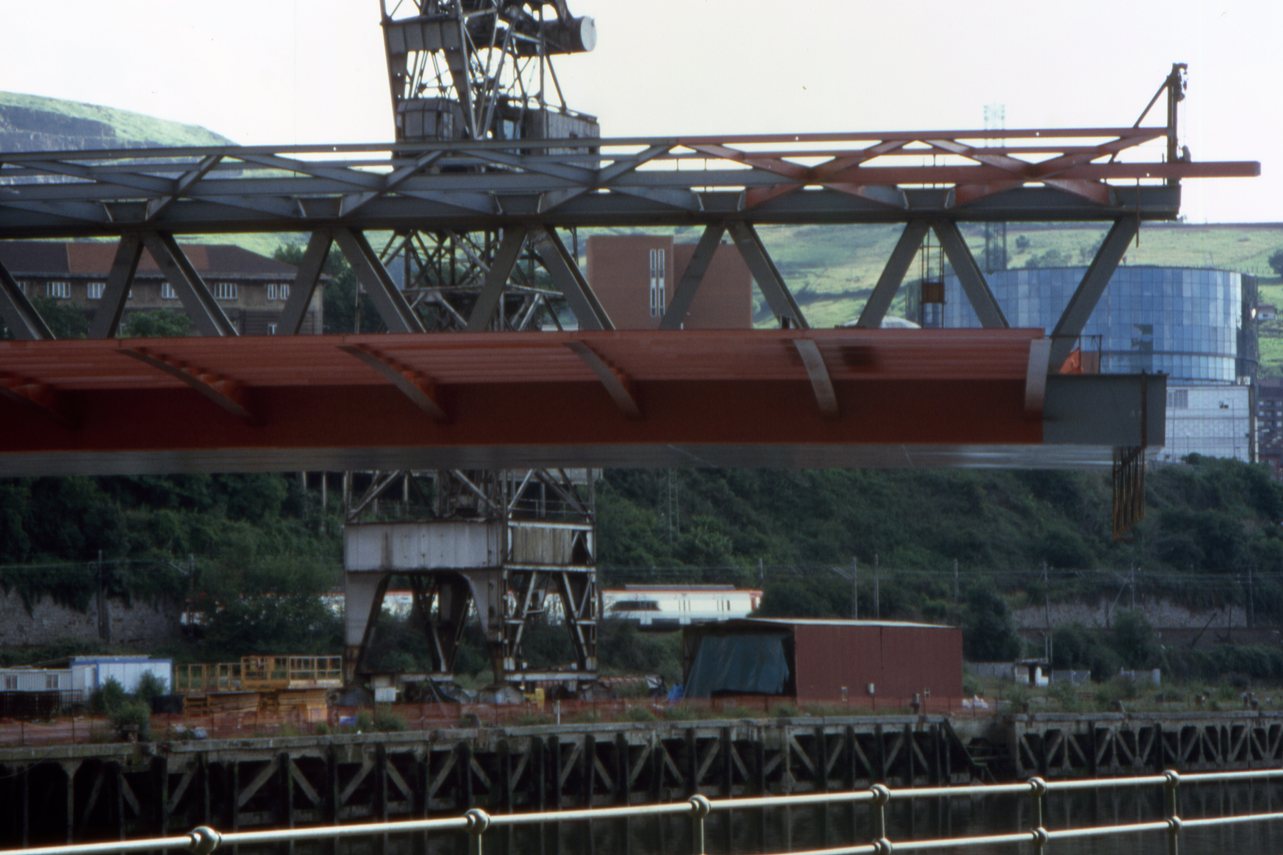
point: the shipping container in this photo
(823, 660)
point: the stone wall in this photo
(139, 625)
(1161, 614)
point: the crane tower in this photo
(515, 545)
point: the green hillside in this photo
(35, 123)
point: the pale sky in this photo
(312, 71)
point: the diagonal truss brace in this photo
(969, 275)
(305, 282)
(501, 267)
(374, 277)
(225, 392)
(875, 310)
(1087, 294)
(692, 277)
(120, 280)
(767, 275)
(419, 388)
(565, 273)
(199, 304)
(22, 319)
(618, 384)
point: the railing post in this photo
(1172, 788)
(701, 807)
(881, 798)
(1038, 790)
(478, 822)
(204, 840)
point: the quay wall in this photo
(52, 794)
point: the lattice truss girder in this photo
(1085, 173)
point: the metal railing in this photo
(476, 822)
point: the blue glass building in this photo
(1184, 322)
(1192, 324)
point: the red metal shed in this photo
(823, 660)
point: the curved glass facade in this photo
(1180, 321)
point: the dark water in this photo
(815, 827)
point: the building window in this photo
(658, 299)
(271, 328)
(1178, 399)
(93, 290)
(51, 681)
(271, 291)
(225, 291)
(11, 682)
(57, 289)
(167, 292)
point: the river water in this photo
(777, 830)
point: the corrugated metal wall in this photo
(898, 661)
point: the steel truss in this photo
(468, 215)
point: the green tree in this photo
(297, 623)
(988, 631)
(159, 323)
(345, 309)
(64, 320)
(1134, 641)
(1276, 261)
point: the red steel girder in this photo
(527, 391)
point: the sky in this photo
(277, 72)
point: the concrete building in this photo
(1269, 424)
(250, 288)
(634, 277)
(1194, 325)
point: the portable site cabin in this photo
(91, 673)
(823, 660)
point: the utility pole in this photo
(855, 589)
(877, 605)
(955, 581)
(1250, 595)
(1046, 611)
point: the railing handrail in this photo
(204, 839)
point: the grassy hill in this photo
(35, 123)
